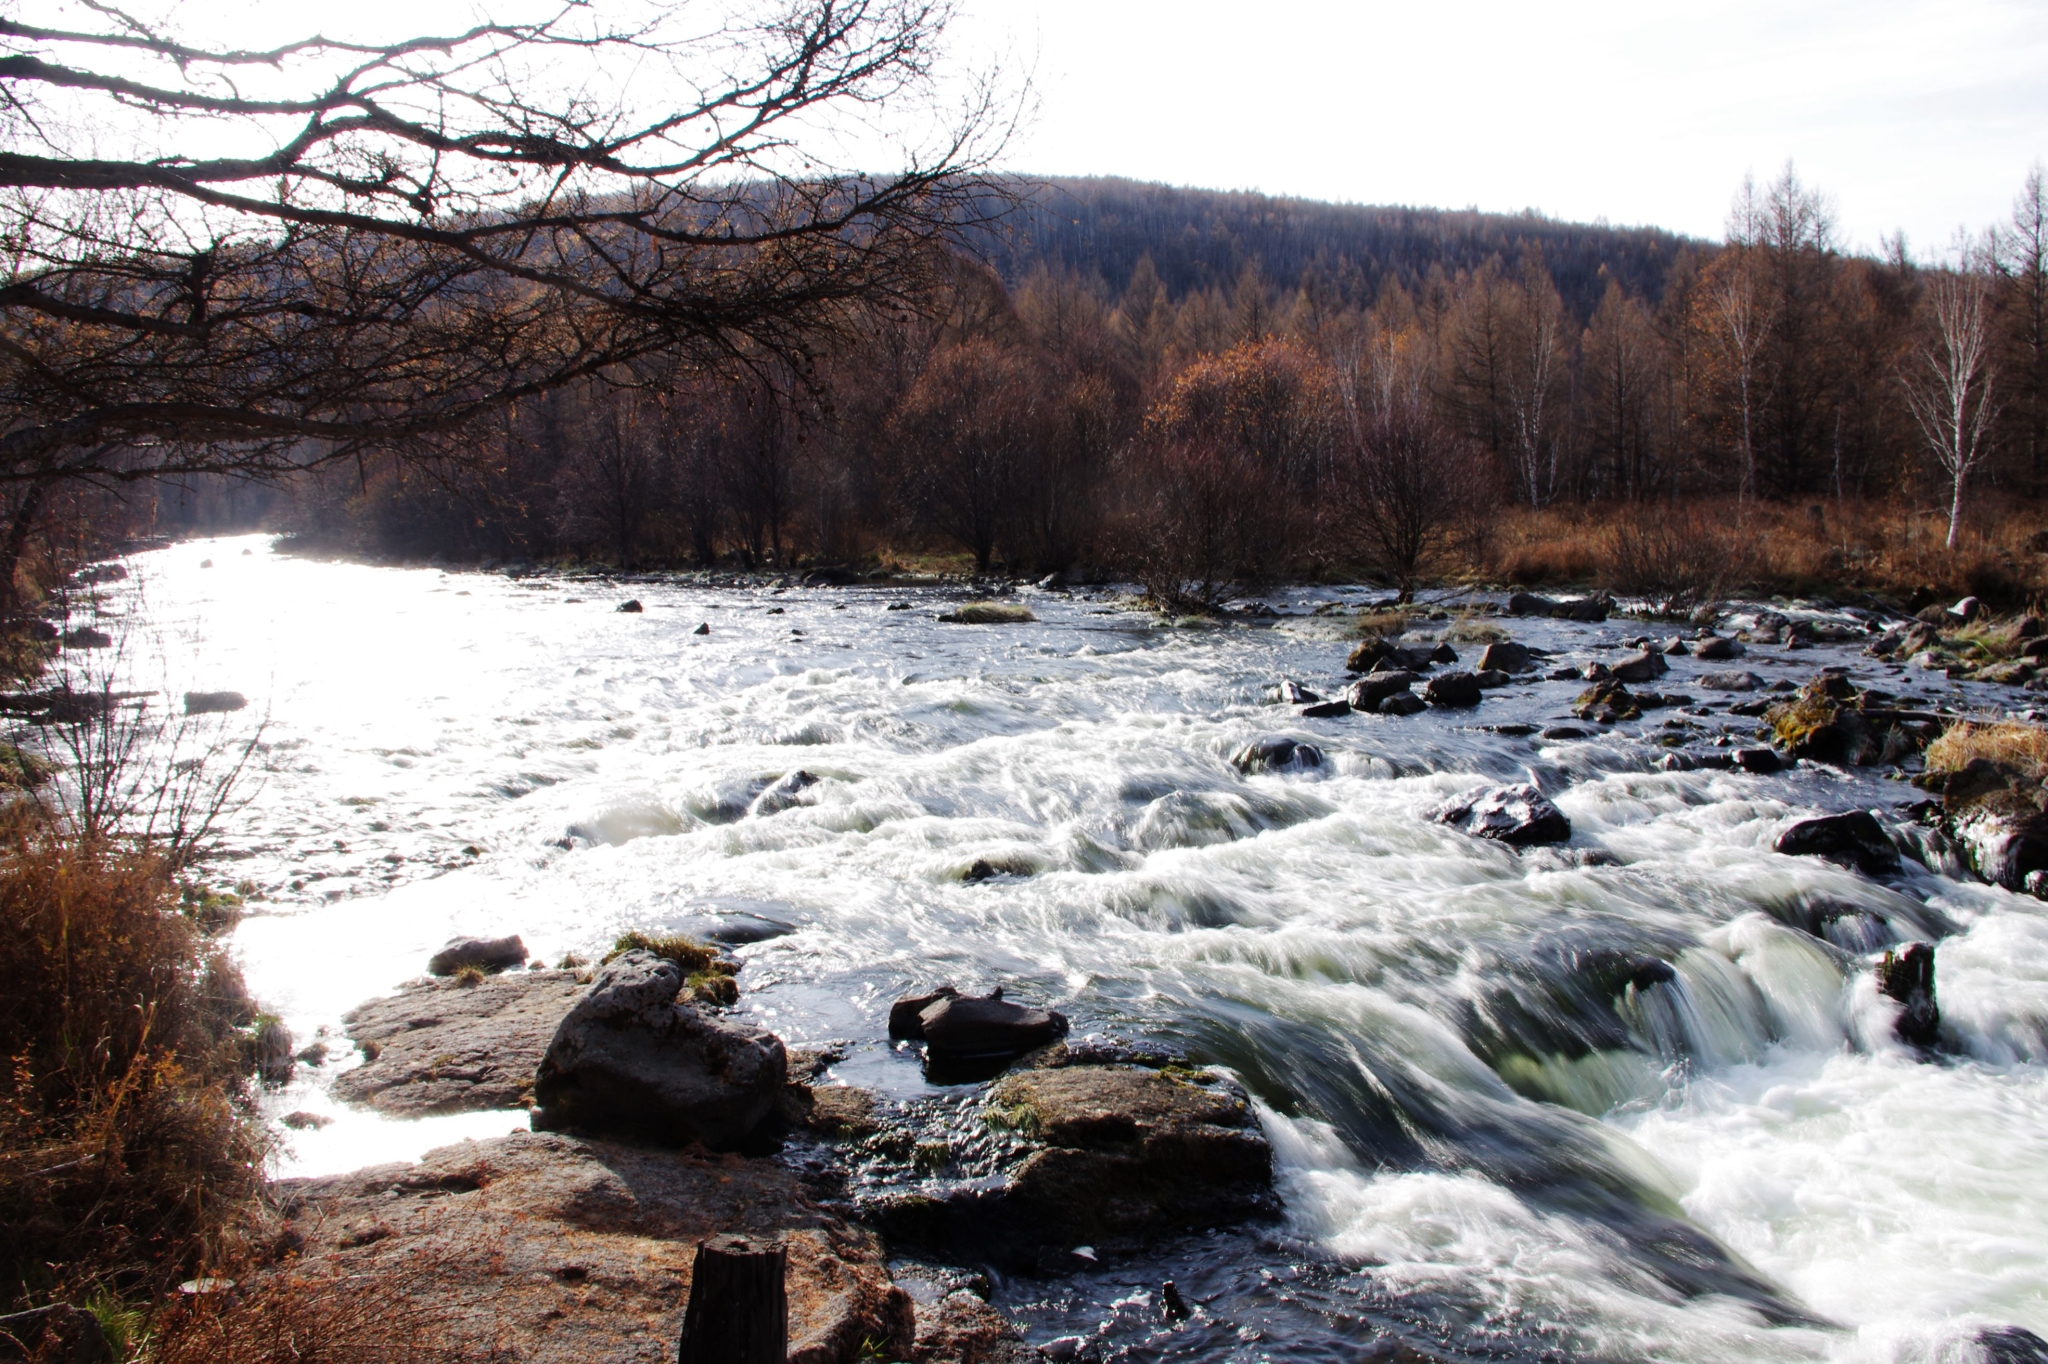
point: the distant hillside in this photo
(1198, 238)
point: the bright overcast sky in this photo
(1914, 114)
(1921, 114)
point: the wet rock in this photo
(1854, 839)
(1607, 703)
(1677, 647)
(1403, 703)
(783, 794)
(1588, 609)
(485, 954)
(553, 1250)
(703, 629)
(906, 1022)
(1507, 656)
(630, 1059)
(1443, 653)
(969, 1037)
(1099, 1155)
(1369, 691)
(632, 607)
(1530, 604)
(1277, 753)
(1717, 649)
(1676, 762)
(1966, 610)
(1561, 733)
(1907, 975)
(961, 1328)
(1459, 689)
(1375, 654)
(1326, 710)
(1645, 666)
(1995, 816)
(1730, 681)
(1288, 692)
(213, 702)
(1519, 816)
(1491, 679)
(1761, 762)
(436, 1047)
(302, 1121)
(2013, 1344)
(86, 637)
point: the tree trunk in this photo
(738, 1311)
(17, 541)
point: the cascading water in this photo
(1636, 1098)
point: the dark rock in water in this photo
(486, 954)
(630, 607)
(1676, 762)
(1106, 1156)
(1717, 650)
(1326, 710)
(2012, 1345)
(1563, 732)
(1375, 654)
(1288, 692)
(1640, 667)
(1677, 647)
(299, 1120)
(969, 1038)
(906, 1022)
(832, 575)
(1277, 754)
(897, 606)
(1854, 839)
(213, 702)
(1443, 653)
(703, 629)
(1519, 816)
(1907, 975)
(1452, 689)
(1588, 609)
(1761, 761)
(1994, 813)
(1529, 604)
(436, 1047)
(783, 794)
(1368, 691)
(1403, 703)
(1507, 656)
(1491, 678)
(85, 637)
(1730, 681)
(1608, 702)
(630, 1059)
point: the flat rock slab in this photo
(555, 1250)
(447, 1048)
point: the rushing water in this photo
(1499, 1137)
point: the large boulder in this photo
(631, 1059)
(1588, 609)
(1854, 839)
(1529, 604)
(1457, 689)
(1644, 666)
(1369, 691)
(485, 954)
(1376, 654)
(971, 1037)
(1519, 816)
(1276, 753)
(441, 1047)
(1103, 1155)
(1608, 702)
(1507, 656)
(1995, 814)
(1907, 975)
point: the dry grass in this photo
(685, 952)
(126, 1154)
(990, 613)
(2019, 746)
(323, 1316)
(1382, 623)
(1803, 548)
(1469, 628)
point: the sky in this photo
(1921, 116)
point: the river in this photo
(1492, 1145)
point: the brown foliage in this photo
(124, 1155)
(319, 1316)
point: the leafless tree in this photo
(1535, 357)
(1949, 377)
(250, 260)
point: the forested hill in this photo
(1201, 238)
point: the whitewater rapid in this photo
(1494, 1141)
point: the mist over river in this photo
(1499, 1136)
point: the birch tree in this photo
(1949, 377)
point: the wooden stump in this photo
(738, 1311)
